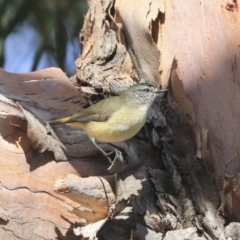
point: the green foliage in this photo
(56, 21)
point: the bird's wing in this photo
(99, 112)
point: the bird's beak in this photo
(160, 90)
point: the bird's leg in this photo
(118, 159)
(117, 148)
(102, 151)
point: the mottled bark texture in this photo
(181, 180)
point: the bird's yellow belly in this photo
(122, 125)
(104, 132)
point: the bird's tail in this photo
(59, 121)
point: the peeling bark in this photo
(171, 187)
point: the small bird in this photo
(117, 118)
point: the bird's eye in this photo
(147, 90)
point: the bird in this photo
(117, 118)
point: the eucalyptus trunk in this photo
(181, 178)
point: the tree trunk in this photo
(181, 179)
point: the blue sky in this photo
(21, 46)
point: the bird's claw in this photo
(117, 163)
